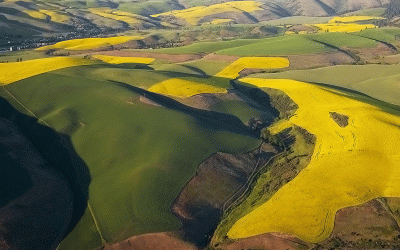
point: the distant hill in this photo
(328, 7)
(25, 18)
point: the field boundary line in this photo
(39, 119)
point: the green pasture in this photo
(140, 156)
(378, 81)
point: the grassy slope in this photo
(207, 47)
(209, 67)
(25, 55)
(339, 40)
(237, 108)
(384, 34)
(378, 81)
(283, 45)
(137, 165)
(289, 44)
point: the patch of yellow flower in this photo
(35, 14)
(233, 70)
(183, 88)
(12, 72)
(194, 14)
(43, 14)
(343, 27)
(127, 17)
(55, 16)
(350, 166)
(122, 59)
(90, 43)
(352, 19)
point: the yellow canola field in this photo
(183, 88)
(90, 43)
(233, 70)
(350, 165)
(35, 14)
(352, 19)
(43, 14)
(127, 17)
(12, 72)
(121, 59)
(343, 27)
(194, 14)
(55, 16)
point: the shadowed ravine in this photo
(44, 183)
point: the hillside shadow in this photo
(207, 119)
(259, 97)
(59, 154)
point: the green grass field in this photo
(237, 108)
(339, 40)
(139, 155)
(283, 45)
(209, 67)
(290, 44)
(207, 47)
(383, 34)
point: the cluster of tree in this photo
(267, 136)
(19, 59)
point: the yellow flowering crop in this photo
(12, 72)
(194, 14)
(121, 59)
(350, 165)
(90, 43)
(183, 88)
(232, 71)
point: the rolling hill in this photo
(199, 124)
(22, 19)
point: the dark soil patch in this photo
(318, 60)
(159, 241)
(374, 55)
(341, 120)
(216, 57)
(298, 28)
(218, 182)
(267, 241)
(367, 226)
